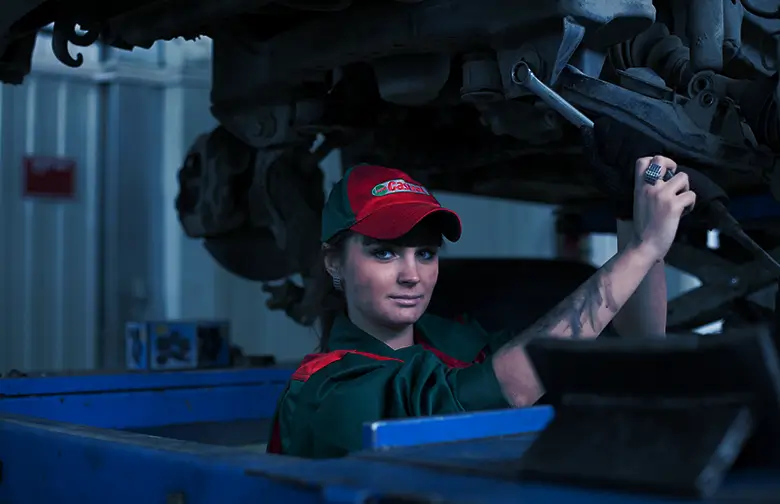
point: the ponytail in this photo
(332, 302)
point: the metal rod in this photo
(523, 76)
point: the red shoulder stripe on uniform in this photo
(310, 365)
(452, 362)
(314, 362)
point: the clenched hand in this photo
(658, 208)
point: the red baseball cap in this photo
(382, 203)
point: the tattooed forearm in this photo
(582, 314)
(589, 309)
(582, 307)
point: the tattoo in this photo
(579, 312)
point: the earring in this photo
(337, 283)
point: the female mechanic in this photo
(383, 357)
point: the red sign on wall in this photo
(49, 177)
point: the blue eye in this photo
(426, 255)
(383, 255)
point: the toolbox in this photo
(172, 345)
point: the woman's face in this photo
(389, 284)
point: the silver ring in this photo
(653, 173)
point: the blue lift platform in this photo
(186, 437)
(680, 420)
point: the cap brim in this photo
(394, 221)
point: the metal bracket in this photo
(723, 282)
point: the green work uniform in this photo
(360, 379)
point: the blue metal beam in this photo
(132, 410)
(125, 381)
(451, 428)
(138, 400)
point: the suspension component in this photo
(656, 48)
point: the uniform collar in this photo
(454, 339)
(344, 335)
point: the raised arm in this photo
(588, 310)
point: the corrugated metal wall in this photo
(49, 248)
(73, 271)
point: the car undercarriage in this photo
(426, 85)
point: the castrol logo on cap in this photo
(398, 186)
